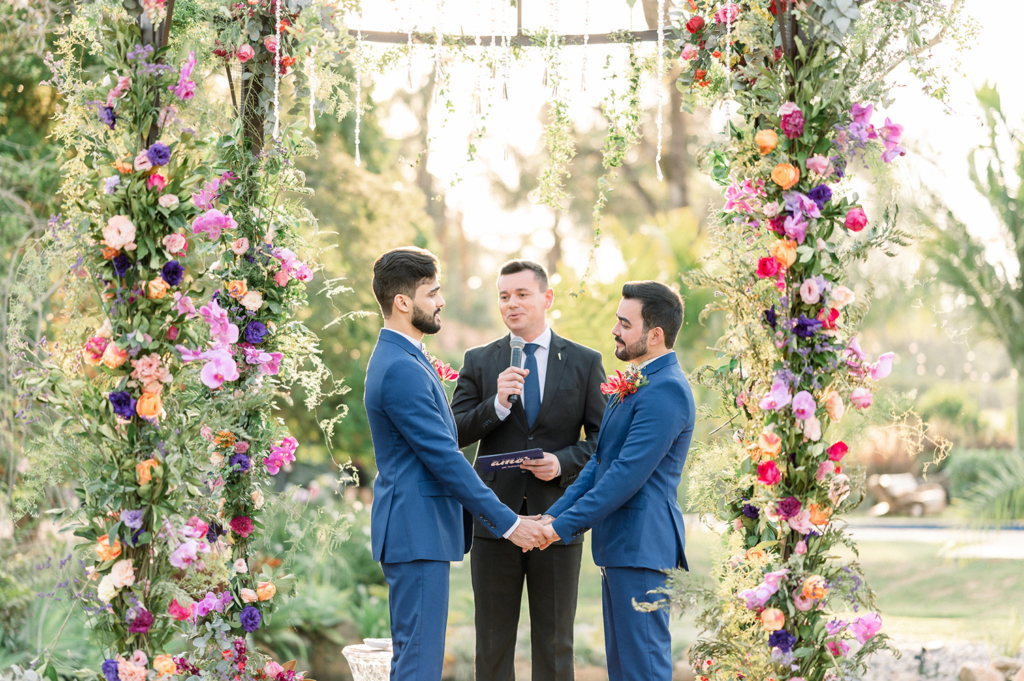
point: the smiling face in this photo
(426, 307)
(523, 303)
(630, 338)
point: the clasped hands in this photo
(534, 532)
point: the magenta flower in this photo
(804, 405)
(212, 222)
(801, 522)
(861, 398)
(795, 228)
(186, 88)
(756, 598)
(221, 367)
(856, 219)
(891, 135)
(777, 398)
(221, 330)
(774, 579)
(272, 367)
(865, 627)
(883, 367)
(861, 114)
(791, 120)
(839, 648)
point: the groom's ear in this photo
(401, 303)
(656, 336)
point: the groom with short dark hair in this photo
(627, 492)
(425, 494)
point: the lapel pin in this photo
(559, 357)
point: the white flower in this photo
(253, 300)
(168, 200)
(241, 566)
(106, 590)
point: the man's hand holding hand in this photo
(529, 535)
(546, 468)
(510, 382)
(550, 536)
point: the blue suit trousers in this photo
(418, 601)
(638, 644)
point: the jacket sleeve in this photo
(409, 403)
(657, 422)
(475, 416)
(573, 458)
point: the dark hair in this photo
(402, 271)
(660, 305)
(517, 266)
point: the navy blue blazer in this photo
(627, 491)
(425, 490)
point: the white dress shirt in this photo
(544, 343)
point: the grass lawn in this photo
(920, 595)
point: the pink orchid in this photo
(777, 398)
(801, 522)
(804, 405)
(219, 368)
(862, 114)
(883, 367)
(212, 222)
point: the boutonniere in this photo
(444, 371)
(621, 384)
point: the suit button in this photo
(529, 437)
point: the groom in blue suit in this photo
(426, 494)
(627, 491)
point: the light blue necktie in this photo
(531, 391)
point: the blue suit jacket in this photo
(424, 485)
(627, 491)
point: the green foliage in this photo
(998, 494)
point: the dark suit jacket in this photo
(572, 401)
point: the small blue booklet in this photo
(501, 462)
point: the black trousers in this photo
(552, 580)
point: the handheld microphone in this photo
(517, 361)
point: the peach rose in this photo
(105, 551)
(265, 590)
(248, 595)
(834, 407)
(123, 167)
(773, 619)
(127, 671)
(257, 499)
(158, 288)
(239, 246)
(253, 300)
(113, 356)
(119, 233)
(766, 141)
(168, 200)
(841, 297)
(770, 444)
(756, 556)
(814, 588)
(144, 469)
(122, 574)
(819, 514)
(785, 175)
(784, 252)
(165, 665)
(149, 406)
(175, 244)
(236, 289)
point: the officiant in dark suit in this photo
(557, 397)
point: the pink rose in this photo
(156, 180)
(142, 162)
(861, 398)
(270, 42)
(245, 53)
(239, 246)
(172, 334)
(821, 165)
(856, 219)
(825, 469)
(281, 278)
(689, 52)
(801, 547)
(768, 473)
(122, 574)
(176, 244)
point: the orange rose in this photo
(757, 556)
(113, 356)
(158, 288)
(766, 141)
(773, 619)
(834, 407)
(819, 515)
(236, 288)
(785, 175)
(770, 444)
(105, 551)
(109, 253)
(265, 590)
(144, 469)
(814, 588)
(122, 167)
(784, 252)
(165, 665)
(149, 406)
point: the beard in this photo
(424, 322)
(631, 352)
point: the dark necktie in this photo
(531, 391)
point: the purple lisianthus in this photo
(121, 264)
(132, 519)
(782, 639)
(788, 508)
(172, 272)
(242, 461)
(255, 332)
(111, 184)
(158, 154)
(110, 669)
(213, 532)
(820, 195)
(805, 328)
(123, 403)
(142, 622)
(250, 618)
(107, 116)
(769, 317)
(751, 511)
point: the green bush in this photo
(965, 468)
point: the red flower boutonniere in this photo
(621, 384)
(444, 371)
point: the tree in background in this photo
(992, 291)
